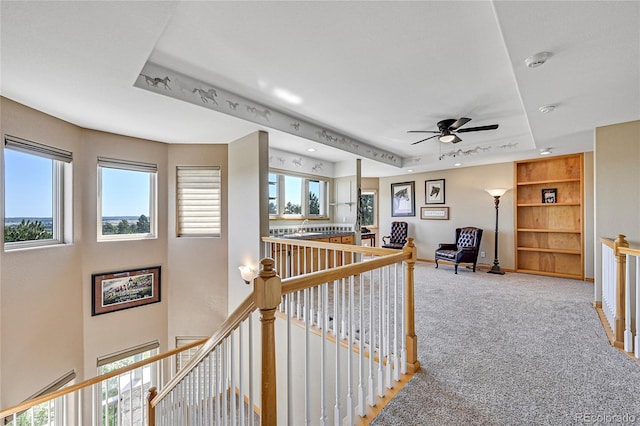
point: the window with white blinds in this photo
(199, 201)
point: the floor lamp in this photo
(496, 194)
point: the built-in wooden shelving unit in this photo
(550, 236)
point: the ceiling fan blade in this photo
(459, 123)
(422, 131)
(456, 140)
(422, 140)
(476, 129)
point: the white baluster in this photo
(307, 359)
(396, 320)
(628, 336)
(380, 333)
(336, 320)
(240, 370)
(403, 326)
(637, 339)
(323, 370)
(372, 340)
(290, 402)
(361, 359)
(232, 373)
(350, 333)
(218, 385)
(250, 408)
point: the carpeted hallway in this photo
(515, 349)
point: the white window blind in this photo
(199, 204)
(35, 148)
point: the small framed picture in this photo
(434, 191)
(437, 213)
(549, 195)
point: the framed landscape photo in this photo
(434, 191)
(114, 291)
(403, 199)
(549, 195)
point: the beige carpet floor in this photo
(516, 349)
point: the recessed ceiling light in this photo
(545, 151)
(311, 149)
(545, 109)
(410, 171)
(457, 165)
(287, 96)
(537, 59)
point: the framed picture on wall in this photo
(114, 291)
(434, 191)
(403, 199)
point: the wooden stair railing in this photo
(8, 413)
(618, 310)
(180, 401)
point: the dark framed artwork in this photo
(403, 199)
(549, 195)
(434, 191)
(114, 291)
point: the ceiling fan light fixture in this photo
(447, 137)
(537, 59)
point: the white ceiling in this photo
(369, 70)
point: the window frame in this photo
(374, 193)
(306, 179)
(61, 167)
(134, 166)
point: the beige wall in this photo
(45, 293)
(42, 309)
(617, 187)
(196, 267)
(247, 208)
(469, 205)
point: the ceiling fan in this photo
(448, 128)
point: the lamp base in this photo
(495, 269)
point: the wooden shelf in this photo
(545, 182)
(549, 238)
(549, 250)
(546, 204)
(547, 230)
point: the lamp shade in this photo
(497, 192)
(447, 137)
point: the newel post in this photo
(267, 288)
(413, 364)
(151, 413)
(621, 271)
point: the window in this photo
(297, 196)
(126, 199)
(199, 206)
(34, 193)
(122, 397)
(368, 206)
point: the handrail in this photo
(629, 250)
(94, 380)
(300, 282)
(608, 242)
(232, 321)
(379, 251)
